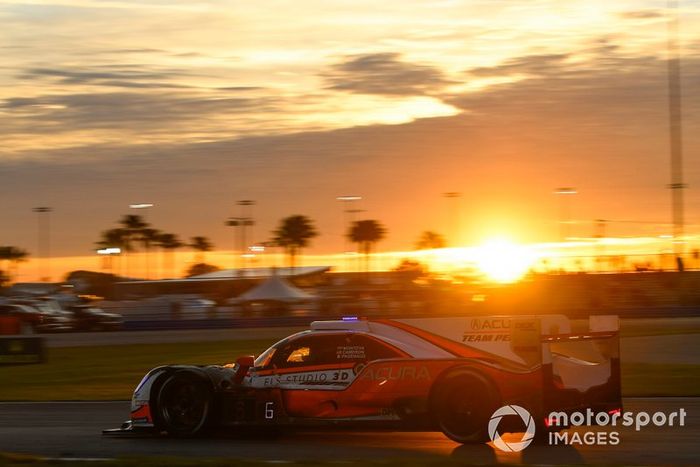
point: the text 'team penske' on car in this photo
(444, 374)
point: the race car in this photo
(433, 374)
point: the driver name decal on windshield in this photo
(350, 352)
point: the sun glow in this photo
(503, 261)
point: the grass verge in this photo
(659, 327)
(110, 372)
(646, 379)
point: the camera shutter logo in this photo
(527, 420)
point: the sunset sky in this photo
(194, 105)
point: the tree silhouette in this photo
(113, 238)
(430, 240)
(201, 245)
(410, 270)
(366, 233)
(132, 225)
(201, 268)
(4, 279)
(169, 243)
(148, 237)
(14, 256)
(293, 234)
(5, 254)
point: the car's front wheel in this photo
(183, 404)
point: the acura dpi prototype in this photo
(443, 374)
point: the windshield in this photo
(264, 358)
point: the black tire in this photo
(183, 404)
(462, 403)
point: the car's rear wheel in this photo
(462, 404)
(183, 404)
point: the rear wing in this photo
(582, 369)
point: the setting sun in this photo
(503, 261)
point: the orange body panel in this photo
(381, 385)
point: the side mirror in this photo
(243, 364)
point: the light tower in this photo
(44, 238)
(677, 184)
(454, 211)
(565, 211)
(348, 219)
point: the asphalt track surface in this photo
(73, 429)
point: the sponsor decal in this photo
(488, 330)
(306, 378)
(332, 377)
(490, 324)
(387, 373)
(525, 325)
(511, 446)
(471, 337)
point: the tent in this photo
(257, 273)
(275, 289)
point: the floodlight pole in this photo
(144, 206)
(677, 184)
(44, 238)
(564, 211)
(246, 220)
(454, 215)
(348, 220)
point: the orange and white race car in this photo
(446, 374)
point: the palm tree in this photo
(201, 245)
(132, 225)
(148, 237)
(293, 234)
(17, 255)
(430, 240)
(114, 238)
(5, 255)
(366, 233)
(14, 256)
(198, 269)
(169, 243)
(4, 279)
